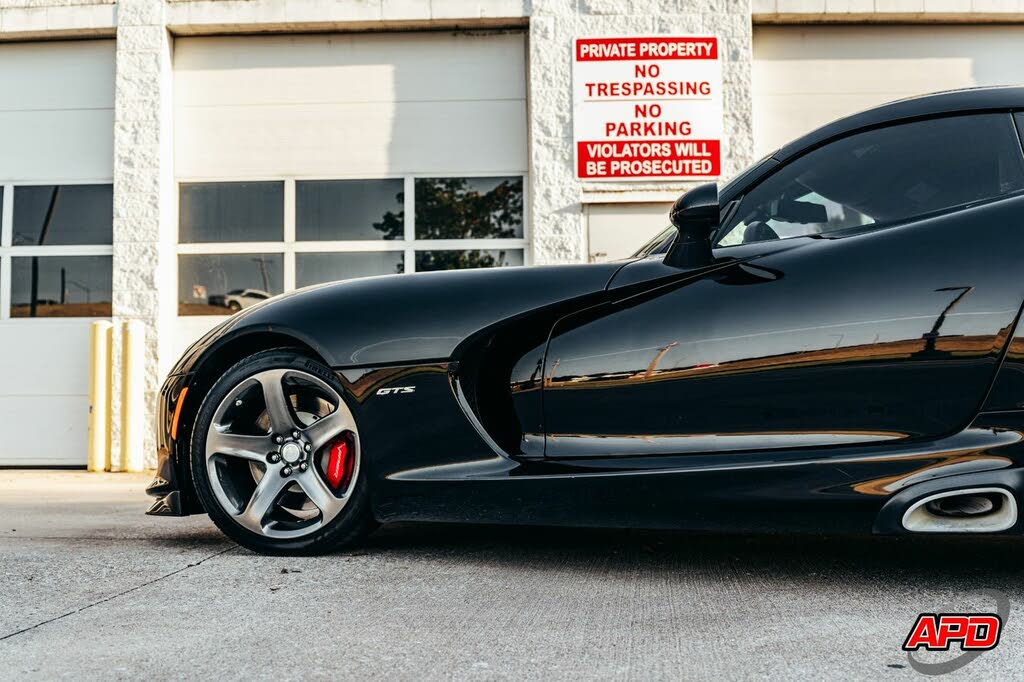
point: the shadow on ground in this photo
(911, 562)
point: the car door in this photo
(862, 293)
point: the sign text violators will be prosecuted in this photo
(647, 108)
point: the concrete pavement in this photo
(93, 589)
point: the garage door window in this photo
(427, 261)
(314, 268)
(231, 212)
(240, 242)
(350, 210)
(469, 208)
(55, 249)
(210, 284)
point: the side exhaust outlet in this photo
(972, 510)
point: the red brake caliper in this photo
(340, 460)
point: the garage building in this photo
(174, 161)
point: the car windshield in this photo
(655, 244)
(660, 242)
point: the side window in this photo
(882, 176)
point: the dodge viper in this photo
(828, 343)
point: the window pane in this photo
(61, 286)
(459, 260)
(63, 214)
(883, 176)
(469, 208)
(221, 285)
(231, 212)
(315, 268)
(349, 209)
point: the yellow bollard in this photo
(133, 377)
(108, 457)
(100, 337)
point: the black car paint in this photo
(728, 360)
(496, 433)
(381, 322)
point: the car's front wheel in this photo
(276, 457)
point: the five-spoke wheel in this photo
(279, 451)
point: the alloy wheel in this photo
(282, 453)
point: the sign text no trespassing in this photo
(647, 108)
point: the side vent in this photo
(974, 510)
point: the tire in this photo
(240, 445)
(234, 306)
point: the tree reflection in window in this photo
(427, 261)
(461, 208)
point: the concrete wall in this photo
(144, 197)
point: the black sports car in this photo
(828, 343)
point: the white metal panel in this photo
(350, 106)
(44, 430)
(349, 68)
(57, 111)
(806, 76)
(44, 357)
(44, 395)
(369, 139)
(617, 230)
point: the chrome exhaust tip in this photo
(970, 510)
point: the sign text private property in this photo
(647, 108)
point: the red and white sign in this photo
(647, 108)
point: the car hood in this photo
(406, 318)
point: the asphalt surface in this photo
(93, 589)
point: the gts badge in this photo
(396, 389)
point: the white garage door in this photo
(806, 76)
(56, 169)
(617, 231)
(303, 159)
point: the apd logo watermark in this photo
(970, 633)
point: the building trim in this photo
(97, 19)
(777, 18)
(203, 17)
(246, 28)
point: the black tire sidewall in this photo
(350, 526)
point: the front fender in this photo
(422, 317)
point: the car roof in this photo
(1001, 98)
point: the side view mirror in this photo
(695, 217)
